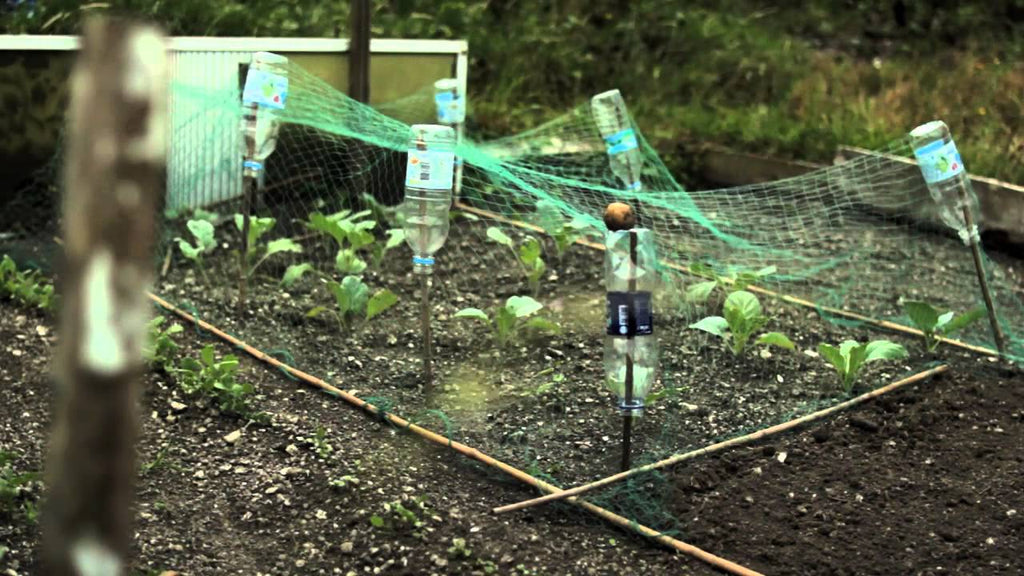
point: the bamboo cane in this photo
(571, 493)
(620, 521)
(757, 289)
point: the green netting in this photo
(853, 238)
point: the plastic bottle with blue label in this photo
(947, 179)
(616, 128)
(630, 344)
(429, 174)
(264, 94)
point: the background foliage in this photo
(790, 81)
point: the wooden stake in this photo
(428, 369)
(738, 441)
(627, 417)
(979, 268)
(113, 179)
(359, 51)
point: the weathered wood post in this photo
(113, 175)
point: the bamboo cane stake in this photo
(751, 288)
(571, 493)
(620, 521)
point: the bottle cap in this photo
(447, 85)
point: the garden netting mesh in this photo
(856, 238)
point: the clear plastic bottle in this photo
(428, 192)
(265, 91)
(613, 122)
(947, 180)
(451, 107)
(630, 338)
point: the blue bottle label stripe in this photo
(422, 261)
(939, 161)
(622, 141)
(252, 165)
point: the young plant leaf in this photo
(964, 320)
(379, 302)
(744, 303)
(834, 357)
(700, 292)
(294, 272)
(396, 236)
(922, 314)
(283, 245)
(473, 313)
(522, 306)
(494, 233)
(203, 232)
(776, 339)
(883, 350)
(714, 325)
(542, 325)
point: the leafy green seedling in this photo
(202, 232)
(258, 254)
(528, 255)
(936, 325)
(458, 549)
(379, 250)
(321, 446)
(28, 288)
(294, 272)
(564, 232)
(546, 385)
(215, 379)
(14, 495)
(352, 299)
(743, 318)
(160, 347)
(511, 319)
(351, 231)
(850, 357)
(734, 281)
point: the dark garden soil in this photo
(270, 503)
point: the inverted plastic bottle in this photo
(630, 335)
(265, 93)
(947, 179)
(429, 174)
(616, 128)
(451, 106)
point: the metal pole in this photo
(116, 157)
(359, 51)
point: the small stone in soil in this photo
(863, 423)
(821, 434)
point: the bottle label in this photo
(451, 109)
(939, 161)
(430, 170)
(620, 142)
(630, 314)
(265, 89)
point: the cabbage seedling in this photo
(352, 299)
(512, 318)
(743, 318)
(202, 231)
(851, 356)
(936, 326)
(527, 255)
(258, 227)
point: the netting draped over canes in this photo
(856, 237)
(846, 237)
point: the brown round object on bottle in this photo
(619, 216)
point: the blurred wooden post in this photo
(116, 154)
(359, 51)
